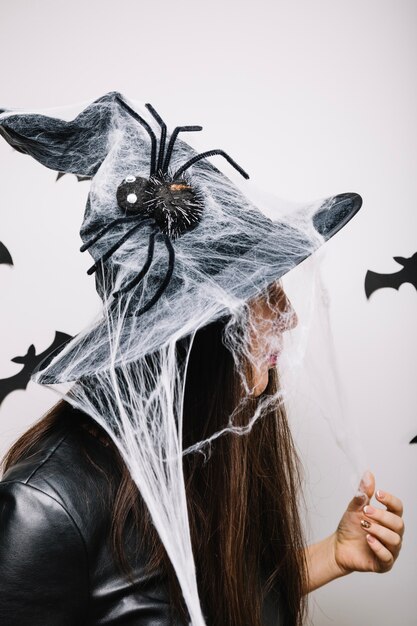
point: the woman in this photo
(77, 545)
(186, 266)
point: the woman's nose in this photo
(294, 319)
(291, 316)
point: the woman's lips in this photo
(273, 358)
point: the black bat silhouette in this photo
(414, 439)
(30, 360)
(408, 274)
(5, 256)
(79, 178)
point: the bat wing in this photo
(19, 381)
(375, 281)
(5, 256)
(79, 178)
(30, 361)
(59, 341)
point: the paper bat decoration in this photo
(5, 256)
(408, 274)
(79, 178)
(30, 360)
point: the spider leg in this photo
(145, 124)
(113, 248)
(103, 231)
(203, 155)
(172, 140)
(135, 281)
(166, 280)
(163, 134)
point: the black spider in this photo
(165, 200)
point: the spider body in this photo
(172, 203)
(166, 199)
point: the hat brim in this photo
(331, 216)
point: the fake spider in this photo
(165, 200)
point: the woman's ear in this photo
(78, 146)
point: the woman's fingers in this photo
(390, 520)
(385, 528)
(388, 538)
(392, 503)
(384, 556)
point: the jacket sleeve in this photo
(43, 561)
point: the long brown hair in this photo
(242, 500)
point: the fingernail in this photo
(380, 494)
(365, 480)
(370, 538)
(369, 510)
(365, 523)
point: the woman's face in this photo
(270, 316)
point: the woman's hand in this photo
(369, 539)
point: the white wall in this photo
(312, 99)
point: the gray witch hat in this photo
(175, 243)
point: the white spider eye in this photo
(131, 198)
(131, 192)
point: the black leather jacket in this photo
(55, 567)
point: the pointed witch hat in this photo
(175, 243)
